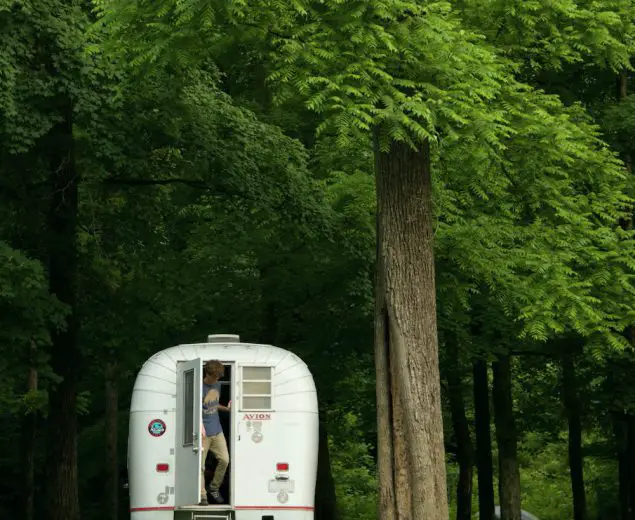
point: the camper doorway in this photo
(226, 421)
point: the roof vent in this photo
(223, 338)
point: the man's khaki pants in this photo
(218, 446)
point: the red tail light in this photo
(163, 468)
(282, 466)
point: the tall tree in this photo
(66, 355)
(571, 402)
(406, 335)
(460, 425)
(43, 44)
(484, 464)
(506, 439)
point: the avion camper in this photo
(271, 431)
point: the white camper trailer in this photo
(271, 431)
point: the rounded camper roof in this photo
(156, 381)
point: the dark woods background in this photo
(154, 195)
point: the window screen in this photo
(256, 388)
(188, 408)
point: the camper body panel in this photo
(151, 488)
(287, 434)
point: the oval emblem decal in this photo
(156, 428)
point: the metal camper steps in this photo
(212, 512)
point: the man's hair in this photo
(214, 368)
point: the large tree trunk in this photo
(325, 497)
(111, 494)
(63, 497)
(465, 450)
(509, 472)
(482, 424)
(576, 462)
(29, 440)
(412, 476)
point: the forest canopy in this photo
(431, 203)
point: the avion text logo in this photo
(257, 417)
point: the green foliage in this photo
(27, 311)
(40, 58)
(407, 67)
(206, 206)
(516, 233)
(547, 34)
(618, 122)
(547, 488)
(353, 469)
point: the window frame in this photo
(243, 395)
(188, 399)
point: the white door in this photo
(255, 439)
(188, 433)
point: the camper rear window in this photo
(188, 416)
(256, 388)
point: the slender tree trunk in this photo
(621, 439)
(403, 471)
(630, 461)
(29, 440)
(509, 472)
(629, 420)
(622, 84)
(410, 428)
(622, 93)
(484, 464)
(622, 424)
(325, 497)
(576, 461)
(387, 507)
(63, 497)
(112, 455)
(269, 314)
(465, 450)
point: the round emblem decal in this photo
(156, 428)
(283, 497)
(257, 437)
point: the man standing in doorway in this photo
(212, 431)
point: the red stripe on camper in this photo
(276, 508)
(164, 508)
(268, 508)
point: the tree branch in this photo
(193, 183)
(531, 353)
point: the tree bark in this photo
(111, 494)
(621, 439)
(622, 84)
(269, 314)
(29, 440)
(484, 464)
(410, 428)
(465, 450)
(325, 497)
(623, 423)
(630, 461)
(63, 496)
(387, 507)
(622, 94)
(576, 461)
(509, 472)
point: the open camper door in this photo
(188, 433)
